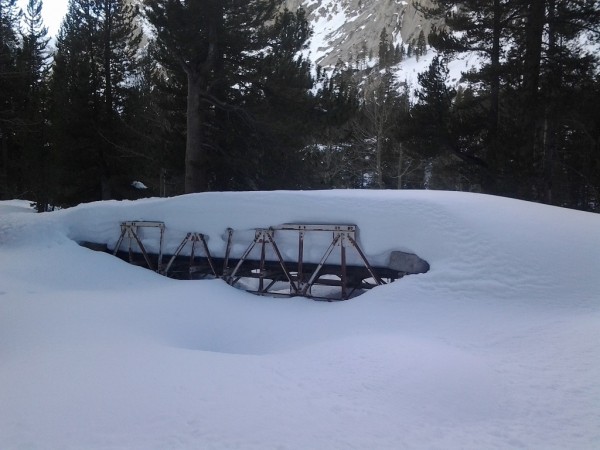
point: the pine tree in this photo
(525, 87)
(9, 82)
(34, 54)
(373, 128)
(431, 114)
(434, 92)
(384, 47)
(120, 39)
(152, 115)
(484, 28)
(331, 157)
(421, 45)
(398, 53)
(92, 70)
(120, 45)
(197, 37)
(230, 53)
(33, 62)
(556, 41)
(281, 108)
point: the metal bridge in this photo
(320, 261)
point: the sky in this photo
(53, 12)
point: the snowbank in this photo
(495, 347)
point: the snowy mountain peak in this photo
(347, 30)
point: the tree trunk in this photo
(494, 86)
(378, 162)
(195, 152)
(550, 125)
(108, 90)
(400, 165)
(531, 80)
(533, 48)
(3, 167)
(105, 176)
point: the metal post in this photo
(160, 248)
(300, 277)
(177, 252)
(227, 252)
(261, 270)
(230, 278)
(282, 263)
(315, 274)
(208, 256)
(378, 280)
(343, 276)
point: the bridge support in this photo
(342, 236)
(131, 231)
(193, 239)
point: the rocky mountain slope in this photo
(344, 30)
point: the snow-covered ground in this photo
(497, 346)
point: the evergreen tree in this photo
(75, 106)
(237, 58)
(398, 53)
(421, 45)
(434, 96)
(332, 157)
(120, 45)
(384, 49)
(432, 112)
(153, 116)
(374, 127)
(534, 52)
(281, 108)
(557, 64)
(33, 136)
(443, 132)
(9, 82)
(484, 28)
(91, 75)
(34, 53)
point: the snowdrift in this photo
(494, 347)
(475, 243)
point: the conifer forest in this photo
(189, 96)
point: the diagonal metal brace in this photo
(263, 236)
(193, 238)
(130, 230)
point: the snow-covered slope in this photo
(349, 32)
(346, 29)
(495, 347)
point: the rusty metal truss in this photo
(131, 231)
(193, 239)
(301, 280)
(317, 261)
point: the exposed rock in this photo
(407, 263)
(349, 29)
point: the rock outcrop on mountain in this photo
(344, 30)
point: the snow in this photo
(138, 185)
(407, 72)
(325, 29)
(495, 347)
